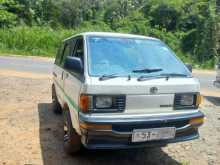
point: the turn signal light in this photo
(199, 99)
(196, 121)
(84, 103)
(95, 126)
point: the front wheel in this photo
(72, 141)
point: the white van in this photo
(123, 91)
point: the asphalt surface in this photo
(27, 64)
(206, 80)
(45, 65)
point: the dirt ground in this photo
(31, 134)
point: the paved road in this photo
(44, 66)
(27, 64)
(206, 81)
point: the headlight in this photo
(103, 102)
(187, 100)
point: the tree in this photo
(190, 27)
(200, 37)
(165, 16)
(218, 27)
(7, 17)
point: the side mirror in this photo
(73, 64)
(189, 66)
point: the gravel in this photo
(32, 134)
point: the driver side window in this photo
(66, 53)
(79, 49)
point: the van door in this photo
(73, 82)
(58, 72)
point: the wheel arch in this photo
(73, 115)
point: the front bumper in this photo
(120, 135)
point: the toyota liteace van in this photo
(119, 91)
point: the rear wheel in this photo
(72, 141)
(55, 104)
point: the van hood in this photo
(122, 85)
(139, 96)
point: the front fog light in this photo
(103, 102)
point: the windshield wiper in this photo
(145, 77)
(163, 75)
(174, 75)
(147, 70)
(168, 75)
(108, 76)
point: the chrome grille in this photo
(120, 103)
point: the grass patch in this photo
(38, 41)
(44, 41)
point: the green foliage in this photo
(190, 27)
(133, 23)
(7, 19)
(165, 16)
(40, 41)
(34, 41)
(200, 36)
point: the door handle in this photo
(62, 75)
(55, 75)
(66, 75)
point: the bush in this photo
(38, 41)
(7, 19)
(41, 41)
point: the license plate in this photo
(142, 135)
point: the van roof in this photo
(112, 34)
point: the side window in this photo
(72, 45)
(59, 54)
(79, 49)
(66, 53)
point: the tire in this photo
(72, 141)
(55, 104)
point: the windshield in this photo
(131, 56)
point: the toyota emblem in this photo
(153, 90)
